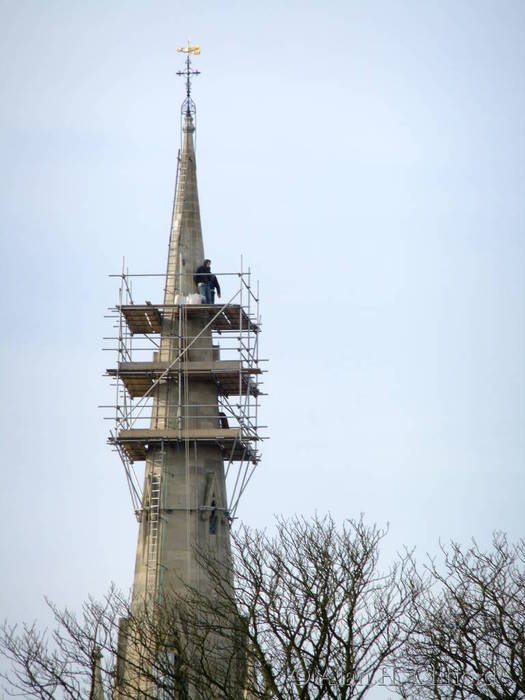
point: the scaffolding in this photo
(234, 367)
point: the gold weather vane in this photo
(189, 51)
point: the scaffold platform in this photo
(146, 319)
(233, 442)
(230, 377)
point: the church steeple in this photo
(186, 251)
(188, 413)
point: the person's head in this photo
(207, 263)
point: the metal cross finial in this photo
(189, 50)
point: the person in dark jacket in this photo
(206, 283)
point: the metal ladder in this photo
(154, 530)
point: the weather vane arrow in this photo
(190, 49)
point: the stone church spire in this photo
(190, 415)
(186, 251)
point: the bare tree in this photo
(82, 655)
(65, 662)
(307, 614)
(315, 616)
(470, 638)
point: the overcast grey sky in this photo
(368, 159)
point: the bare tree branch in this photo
(470, 635)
